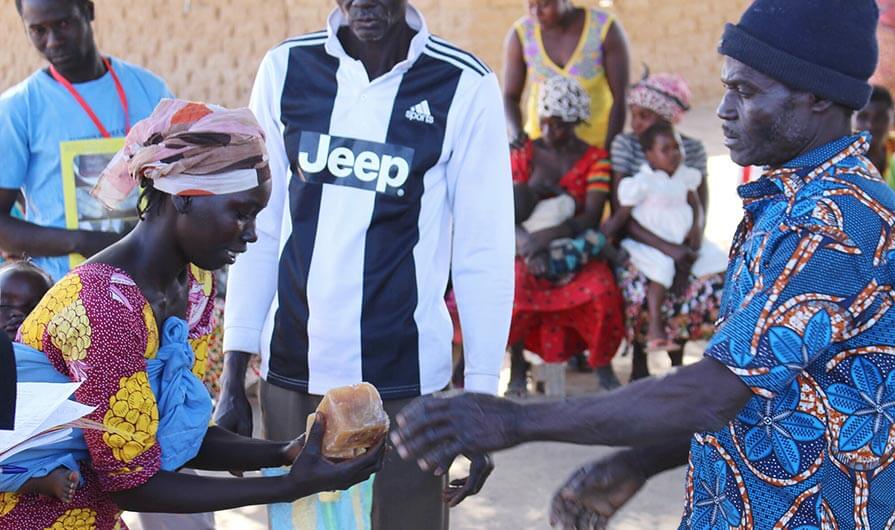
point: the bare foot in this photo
(60, 483)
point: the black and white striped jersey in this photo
(380, 190)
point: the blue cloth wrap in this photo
(183, 402)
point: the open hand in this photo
(434, 430)
(682, 255)
(595, 492)
(312, 472)
(479, 471)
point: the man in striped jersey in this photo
(391, 169)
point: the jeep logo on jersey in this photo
(357, 163)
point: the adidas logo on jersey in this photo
(420, 112)
(356, 163)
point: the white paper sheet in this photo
(46, 438)
(39, 408)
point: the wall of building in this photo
(209, 49)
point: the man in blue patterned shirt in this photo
(793, 405)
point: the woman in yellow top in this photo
(558, 38)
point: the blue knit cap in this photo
(826, 47)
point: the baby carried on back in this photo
(184, 411)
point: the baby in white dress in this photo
(662, 197)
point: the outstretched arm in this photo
(20, 237)
(223, 450)
(699, 397)
(310, 473)
(481, 199)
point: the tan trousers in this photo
(404, 497)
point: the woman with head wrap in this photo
(558, 318)
(123, 325)
(656, 97)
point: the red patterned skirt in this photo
(559, 321)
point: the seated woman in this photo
(558, 320)
(656, 97)
(121, 326)
(690, 311)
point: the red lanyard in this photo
(121, 96)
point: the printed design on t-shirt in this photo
(380, 167)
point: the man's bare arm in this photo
(20, 237)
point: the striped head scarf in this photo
(187, 148)
(665, 94)
(564, 98)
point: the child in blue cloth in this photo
(22, 285)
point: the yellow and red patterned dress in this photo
(96, 326)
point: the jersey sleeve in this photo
(14, 138)
(96, 328)
(252, 280)
(481, 195)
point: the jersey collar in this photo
(414, 19)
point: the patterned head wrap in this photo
(562, 97)
(665, 94)
(187, 149)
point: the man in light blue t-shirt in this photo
(79, 100)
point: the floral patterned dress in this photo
(96, 327)
(558, 321)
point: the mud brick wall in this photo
(209, 49)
